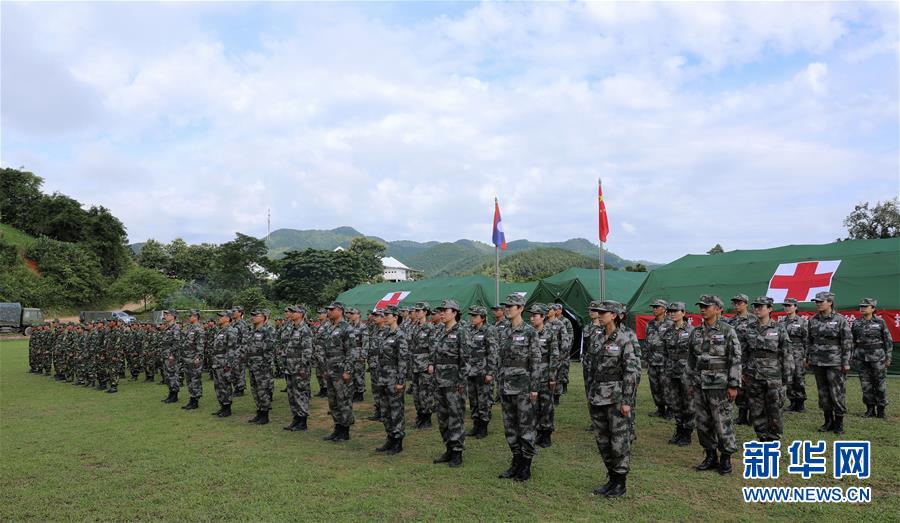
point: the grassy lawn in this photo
(74, 453)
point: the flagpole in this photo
(602, 269)
(496, 265)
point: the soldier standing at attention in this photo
(482, 354)
(520, 377)
(298, 359)
(767, 369)
(830, 346)
(678, 344)
(872, 346)
(239, 372)
(376, 335)
(714, 375)
(171, 341)
(224, 352)
(548, 342)
(392, 374)
(421, 337)
(564, 332)
(115, 356)
(613, 367)
(358, 342)
(797, 328)
(654, 349)
(742, 321)
(260, 351)
(192, 355)
(336, 360)
(319, 333)
(450, 365)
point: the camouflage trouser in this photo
(114, 369)
(562, 373)
(150, 365)
(544, 409)
(133, 361)
(796, 389)
(613, 433)
(659, 382)
(359, 377)
(320, 379)
(679, 402)
(391, 406)
(423, 392)
(193, 376)
(830, 383)
(340, 399)
(222, 380)
(519, 423)
(239, 375)
(172, 373)
(261, 382)
(69, 370)
(715, 428)
(481, 398)
(765, 401)
(873, 379)
(298, 394)
(376, 390)
(451, 413)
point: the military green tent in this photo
(466, 290)
(575, 288)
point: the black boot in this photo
(302, 425)
(397, 448)
(376, 416)
(323, 393)
(725, 464)
(548, 439)
(263, 417)
(539, 440)
(829, 422)
(482, 429)
(388, 444)
(334, 434)
(226, 411)
(556, 399)
(293, 424)
(668, 413)
(870, 411)
(660, 411)
(513, 467)
(677, 436)
(610, 480)
(221, 408)
(800, 407)
(476, 428)
(112, 389)
(426, 421)
(618, 488)
(710, 462)
(685, 440)
(743, 416)
(880, 413)
(456, 458)
(344, 433)
(838, 426)
(445, 457)
(168, 399)
(359, 396)
(191, 405)
(524, 473)
(254, 419)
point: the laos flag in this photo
(499, 238)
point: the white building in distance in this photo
(394, 270)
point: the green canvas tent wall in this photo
(575, 288)
(466, 290)
(861, 268)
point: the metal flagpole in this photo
(602, 266)
(496, 265)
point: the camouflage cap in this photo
(659, 303)
(871, 302)
(335, 305)
(224, 314)
(477, 310)
(538, 308)
(173, 312)
(194, 312)
(352, 310)
(710, 299)
(741, 297)
(237, 308)
(556, 306)
(391, 310)
(764, 300)
(595, 305)
(320, 310)
(790, 301)
(498, 306)
(515, 299)
(609, 306)
(675, 306)
(449, 304)
(296, 308)
(376, 312)
(422, 306)
(824, 296)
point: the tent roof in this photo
(576, 288)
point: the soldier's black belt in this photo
(713, 365)
(828, 341)
(608, 376)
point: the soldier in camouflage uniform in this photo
(115, 356)
(520, 377)
(281, 325)
(482, 353)
(133, 350)
(239, 373)
(565, 334)
(420, 337)
(170, 344)
(872, 346)
(449, 362)
(192, 356)
(742, 321)
(392, 373)
(319, 333)
(797, 328)
(830, 348)
(677, 347)
(548, 340)
(224, 353)
(654, 349)
(499, 324)
(335, 359)
(768, 366)
(358, 345)
(81, 354)
(259, 352)
(96, 358)
(613, 367)
(298, 360)
(210, 331)
(714, 375)
(374, 339)
(148, 352)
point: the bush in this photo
(73, 273)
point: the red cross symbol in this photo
(391, 299)
(803, 279)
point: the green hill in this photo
(284, 240)
(537, 263)
(13, 236)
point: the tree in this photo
(317, 277)
(104, 235)
(143, 284)
(370, 253)
(881, 221)
(637, 267)
(70, 270)
(190, 262)
(716, 250)
(154, 256)
(234, 259)
(20, 194)
(252, 298)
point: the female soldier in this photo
(392, 361)
(677, 343)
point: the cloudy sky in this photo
(749, 125)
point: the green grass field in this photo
(78, 454)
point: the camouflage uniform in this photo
(334, 358)
(239, 373)
(548, 341)
(148, 351)
(420, 344)
(768, 366)
(224, 352)
(613, 367)
(359, 346)
(192, 356)
(392, 363)
(115, 358)
(450, 360)
(872, 351)
(259, 353)
(713, 366)
(97, 358)
(797, 328)
(170, 345)
(482, 354)
(319, 334)
(677, 347)
(742, 327)
(654, 351)
(830, 347)
(373, 351)
(298, 359)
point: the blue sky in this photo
(749, 125)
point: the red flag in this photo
(604, 223)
